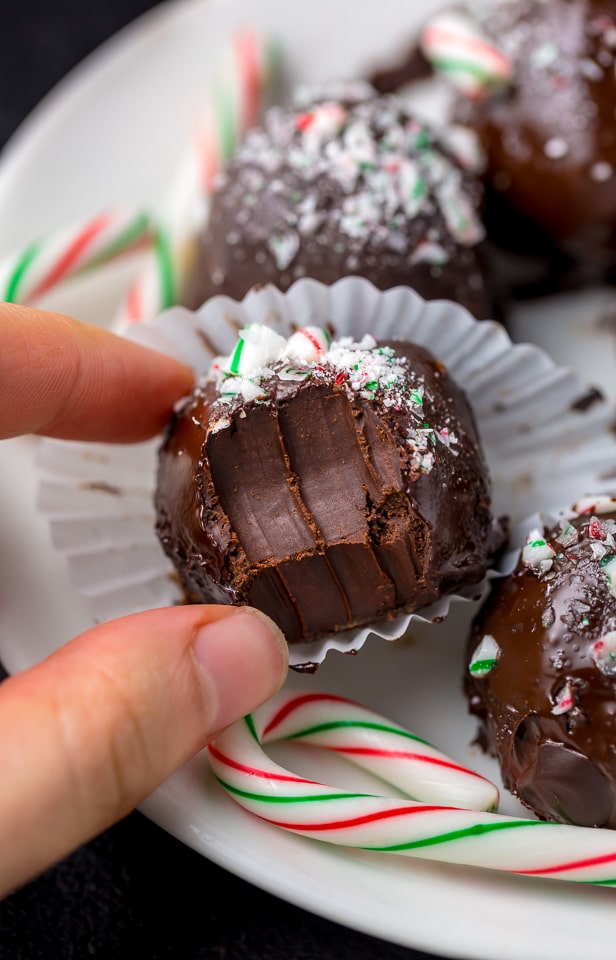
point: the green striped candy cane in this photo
(441, 829)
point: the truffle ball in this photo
(341, 187)
(542, 670)
(549, 137)
(328, 484)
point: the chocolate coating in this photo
(322, 505)
(550, 140)
(548, 706)
(339, 188)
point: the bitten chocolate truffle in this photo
(542, 670)
(549, 136)
(343, 187)
(331, 485)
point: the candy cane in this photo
(456, 46)
(240, 88)
(414, 828)
(52, 260)
(367, 739)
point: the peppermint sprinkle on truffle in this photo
(284, 249)
(538, 554)
(387, 163)
(568, 535)
(603, 654)
(262, 358)
(608, 565)
(564, 700)
(598, 505)
(367, 368)
(485, 657)
(362, 367)
(308, 344)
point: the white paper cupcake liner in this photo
(543, 445)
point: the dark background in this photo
(135, 891)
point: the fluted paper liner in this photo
(546, 437)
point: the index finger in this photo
(62, 378)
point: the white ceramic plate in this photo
(112, 134)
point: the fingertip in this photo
(243, 660)
(279, 637)
(111, 714)
(72, 380)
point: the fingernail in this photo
(244, 660)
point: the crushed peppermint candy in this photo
(258, 345)
(369, 369)
(608, 566)
(376, 373)
(598, 550)
(564, 701)
(598, 505)
(545, 55)
(422, 455)
(538, 554)
(595, 529)
(388, 165)
(568, 534)
(458, 211)
(485, 657)
(427, 252)
(601, 541)
(603, 653)
(308, 344)
(243, 387)
(457, 47)
(284, 248)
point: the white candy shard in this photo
(603, 653)
(608, 565)
(308, 344)
(564, 700)
(257, 347)
(234, 387)
(485, 657)
(598, 505)
(538, 554)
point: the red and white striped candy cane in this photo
(240, 88)
(369, 740)
(456, 46)
(417, 828)
(50, 261)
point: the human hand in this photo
(88, 733)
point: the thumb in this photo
(88, 733)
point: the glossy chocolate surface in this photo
(548, 706)
(550, 140)
(315, 506)
(339, 188)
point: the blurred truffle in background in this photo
(339, 186)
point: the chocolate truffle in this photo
(549, 138)
(329, 485)
(341, 187)
(542, 670)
